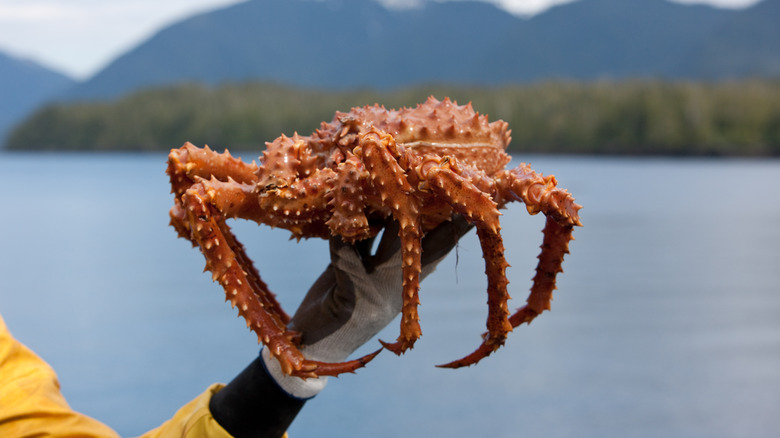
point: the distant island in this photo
(631, 117)
(590, 76)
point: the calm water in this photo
(666, 322)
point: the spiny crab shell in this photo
(442, 129)
(418, 166)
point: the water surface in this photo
(666, 322)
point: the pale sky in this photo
(79, 37)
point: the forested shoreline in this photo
(632, 117)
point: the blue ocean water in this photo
(666, 321)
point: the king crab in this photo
(418, 166)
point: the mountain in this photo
(747, 44)
(26, 85)
(335, 43)
(359, 43)
(591, 39)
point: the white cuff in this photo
(295, 386)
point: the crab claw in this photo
(399, 347)
(484, 350)
(313, 368)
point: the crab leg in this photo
(554, 246)
(189, 162)
(287, 159)
(293, 206)
(539, 193)
(286, 202)
(348, 219)
(233, 269)
(195, 217)
(477, 207)
(379, 152)
(232, 198)
(209, 231)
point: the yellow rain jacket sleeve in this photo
(31, 403)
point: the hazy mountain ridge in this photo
(750, 38)
(357, 43)
(26, 85)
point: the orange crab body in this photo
(417, 165)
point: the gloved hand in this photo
(356, 297)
